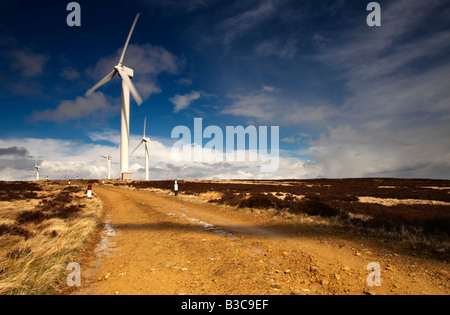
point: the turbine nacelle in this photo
(145, 141)
(126, 74)
(124, 70)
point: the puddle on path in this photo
(217, 230)
(103, 250)
(210, 227)
(206, 225)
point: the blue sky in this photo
(350, 100)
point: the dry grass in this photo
(389, 202)
(283, 196)
(437, 188)
(211, 195)
(39, 237)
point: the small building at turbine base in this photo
(127, 177)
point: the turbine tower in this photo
(108, 161)
(146, 141)
(127, 86)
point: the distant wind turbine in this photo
(37, 170)
(145, 141)
(127, 86)
(108, 160)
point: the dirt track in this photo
(155, 244)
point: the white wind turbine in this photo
(145, 141)
(108, 160)
(127, 86)
(37, 170)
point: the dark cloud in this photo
(14, 151)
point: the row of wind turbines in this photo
(145, 140)
(126, 74)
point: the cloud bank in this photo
(59, 159)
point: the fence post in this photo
(176, 187)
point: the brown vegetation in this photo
(42, 226)
(10, 191)
(391, 205)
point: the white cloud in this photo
(347, 152)
(255, 105)
(95, 105)
(57, 158)
(276, 47)
(299, 137)
(185, 81)
(109, 135)
(162, 167)
(239, 24)
(271, 89)
(70, 73)
(183, 101)
(268, 108)
(22, 67)
(29, 63)
(175, 5)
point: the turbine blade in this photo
(128, 39)
(140, 143)
(145, 122)
(105, 157)
(146, 149)
(112, 150)
(130, 85)
(102, 82)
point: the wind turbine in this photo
(146, 141)
(127, 86)
(37, 170)
(108, 160)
